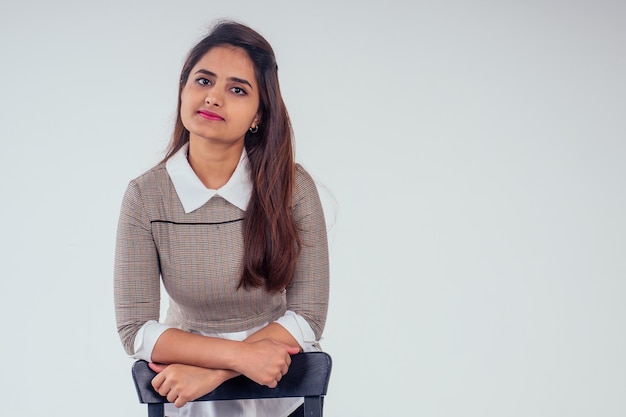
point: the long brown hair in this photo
(270, 234)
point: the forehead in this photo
(227, 61)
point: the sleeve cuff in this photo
(146, 338)
(300, 329)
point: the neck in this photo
(214, 165)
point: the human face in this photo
(220, 100)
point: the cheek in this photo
(186, 118)
(184, 100)
(186, 108)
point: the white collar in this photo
(193, 194)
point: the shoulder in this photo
(154, 175)
(151, 181)
(149, 184)
(303, 178)
(304, 182)
(305, 187)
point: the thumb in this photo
(293, 350)
(157, 367)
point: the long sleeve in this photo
(300, 330)
(136, 274)
(308, 293)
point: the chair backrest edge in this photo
(308, 376)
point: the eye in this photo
(203, 81)
(239, 91)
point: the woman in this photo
(235, 230)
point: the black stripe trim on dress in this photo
(195, 223)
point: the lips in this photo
(209, 115)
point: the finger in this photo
(157, 367)
(180, 401)
(172, 396)
(164, 390)
(164, 386)
(157, 381)
(293, 350)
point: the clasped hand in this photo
(264, 361)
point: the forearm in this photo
(272, 331)
(276, 332)
(264, 360)
(178, 346)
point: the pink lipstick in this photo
(209, 115)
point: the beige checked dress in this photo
(198, 256)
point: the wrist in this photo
(223, 375)
(237, 360)
(227, 374)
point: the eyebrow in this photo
(235, 79)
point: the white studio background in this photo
(472, 160)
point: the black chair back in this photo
(308, 377)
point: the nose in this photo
(213, 97)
